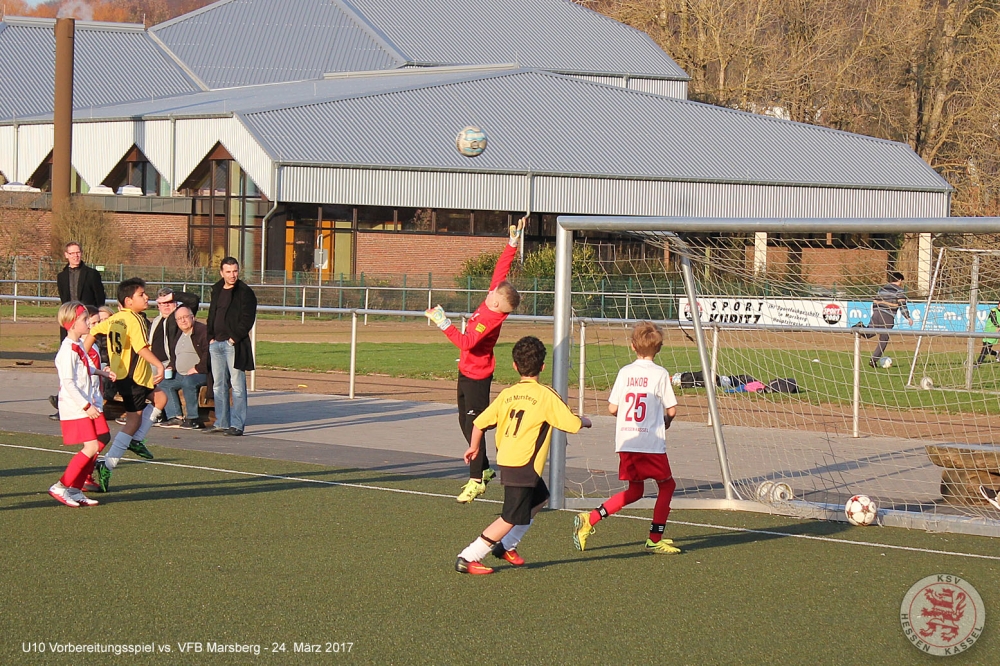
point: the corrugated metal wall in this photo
(34, 145)
(418, 189)
(675, 89)
(7, 152)
(98, 147)
(154, 142)
(195, 138)
(596, 196)
(637, 197)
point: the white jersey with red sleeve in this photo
(642, 392)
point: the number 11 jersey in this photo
(642, 392)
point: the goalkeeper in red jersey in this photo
(476, 361)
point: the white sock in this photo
(149, 417)
(515, 535)
(118, 448)
(476, 550)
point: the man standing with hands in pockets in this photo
(231, 315)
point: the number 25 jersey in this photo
(642, 392)
(524, 415)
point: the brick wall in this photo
(157, 239)
(826, 267)
(413, 253)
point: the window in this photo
(375, 218)
(135, 170)
(452, 221)
(415, 219)
(488, 222)
(227, 211)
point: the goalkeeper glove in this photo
(437, 316)
(516, 231)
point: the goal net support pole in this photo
(660, 227)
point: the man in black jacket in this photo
(78, 282)
(231, 315)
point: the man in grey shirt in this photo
(189, 363)
(890, 299)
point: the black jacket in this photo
(157, 344)
(240, 317)
(91, 286)
(199, 340)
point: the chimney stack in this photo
(62, 157)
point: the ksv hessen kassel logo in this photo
(942, 615)
(832, 313)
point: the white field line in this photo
(452, 497)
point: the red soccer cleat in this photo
(510, 556)
(474, 568)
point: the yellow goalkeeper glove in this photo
(438, 316)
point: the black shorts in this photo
(134, 396)
(518, 502)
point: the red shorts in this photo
(79, 431)
(641, 466)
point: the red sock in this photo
(615, 503)
(661, 510)
(76, 465)
(88, 469)
(85, 472)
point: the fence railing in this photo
(580, 324)
(344, 298)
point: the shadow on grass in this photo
(133, 492)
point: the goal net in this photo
(810, 413)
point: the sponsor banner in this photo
(769, 311)
(940, 316)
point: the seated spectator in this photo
(187, 371)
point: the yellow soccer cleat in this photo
(663, 547)
(581, 530)
(471, 491)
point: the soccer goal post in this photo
(749, 304)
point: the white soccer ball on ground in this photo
(885, 362)
(926, 384)
(861, 510)
(471, 141)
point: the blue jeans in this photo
(226, 376)
(189, 384)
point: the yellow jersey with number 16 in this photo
(524, 415)
(128, 334)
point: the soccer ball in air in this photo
(860, 510)
(471, 141)
(885, 362)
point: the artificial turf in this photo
(180, 555)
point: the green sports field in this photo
(204, 548)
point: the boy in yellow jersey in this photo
(133, 362)
(524, 416)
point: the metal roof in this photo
(247, 42)
(554, 35)
(538, 122)
(249, 99)
(114, 63)
(550, 124)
